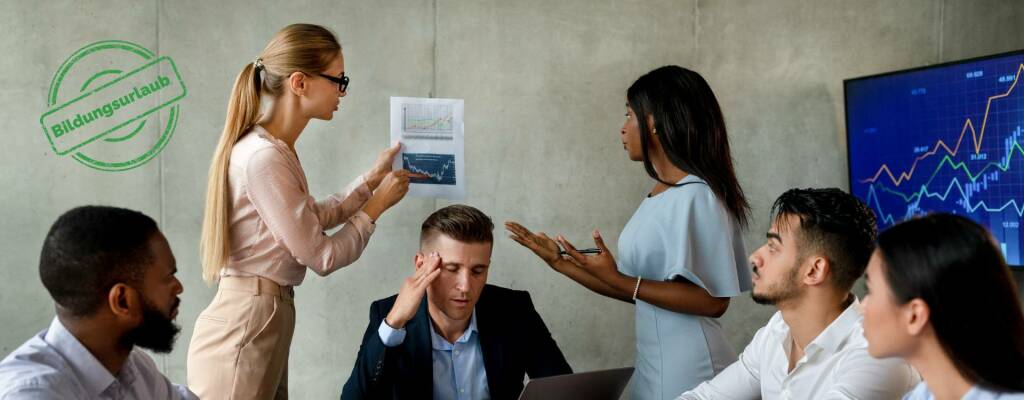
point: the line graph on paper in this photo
(945, 138)
(439, 168)
(427, 121)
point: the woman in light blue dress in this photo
(941, 297)
(681, 256)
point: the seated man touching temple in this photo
(448, 334)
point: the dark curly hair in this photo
(91, 248)
(834, 223)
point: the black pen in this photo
(582, 251)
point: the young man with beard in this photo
(819, 243)
(111, 274)
(448, 334)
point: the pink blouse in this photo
(277, 228)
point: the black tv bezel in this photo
(846, 105)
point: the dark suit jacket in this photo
(513, 339)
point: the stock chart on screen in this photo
(942, 138)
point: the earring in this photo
(655, 131)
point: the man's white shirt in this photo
(836, 365)
(55, 365)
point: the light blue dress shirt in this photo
(683, 232)
(458, 367)
(55, 365)
(921, 392)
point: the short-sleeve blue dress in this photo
(686, 233)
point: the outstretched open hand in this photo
(539, 243)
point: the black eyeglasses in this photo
(342, 82)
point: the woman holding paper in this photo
(681, 256)
(262, 229)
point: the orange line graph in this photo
(976, 136)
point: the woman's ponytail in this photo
(243, 113)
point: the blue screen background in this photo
(945, 138)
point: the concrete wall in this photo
(544, 85)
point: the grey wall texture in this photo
(544, 84)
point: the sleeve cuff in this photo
(363, 222)
(390, 336)
(719, 288)
(362, 188)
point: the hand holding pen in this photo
(591, 250)
(541, 245)
(559, 253)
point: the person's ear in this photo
(817, 271)
(124, 301)
(417, 260)
(297, 83)
(916, 316)
(651, 126)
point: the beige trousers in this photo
(239, 348)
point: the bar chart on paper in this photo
(944, 138)
(427, 121)
(432, 133)
(439, 168)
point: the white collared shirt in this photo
(55, 365)
(836, 365)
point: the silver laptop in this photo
(596, 385)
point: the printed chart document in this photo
(432, 137)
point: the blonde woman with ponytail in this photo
(262, 229)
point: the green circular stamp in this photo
(113, 105)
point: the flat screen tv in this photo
(944, 138)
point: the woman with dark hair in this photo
(681, 256)
(942, 298)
